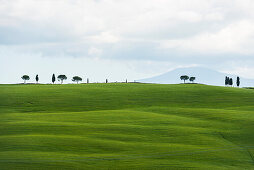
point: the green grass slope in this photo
(126, 126)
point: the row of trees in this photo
(229, 81)
(185, 77)
(61, 78)
(77, 79)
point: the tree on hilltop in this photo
(231, 82)
(37, 78)
(62, 78)
(192, 79)
(25, 78)
(238, 81)
(226, 81)
(53, 78)
(184, 78)
(76, 79)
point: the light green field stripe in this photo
(93, 139)
(141, 109)
(108, 126)
(92, 157)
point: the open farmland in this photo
(126, 126)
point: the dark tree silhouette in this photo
(76, 79)
(106, 80)
(25, 78)
(62, 78)
(126, 81)
(231, 82)
(226, 80)
(53, 78)
(87, 80)
(192, 79)
(184, 78)
(37, 78)
(238, 81)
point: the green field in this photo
(126, 126)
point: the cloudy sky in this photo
(119, 39)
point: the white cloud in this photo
(142, 30)
(104, 37)
(235, 38)
(95, 51)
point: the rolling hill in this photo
(126, 126)
(203, 76)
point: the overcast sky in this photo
(119, 39)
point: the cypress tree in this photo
(87, 80)
(226, 81)
(37, 78)
(238, 81)
(231, 82)
(53, 78)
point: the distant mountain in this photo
(203, 76)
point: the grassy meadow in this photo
(126, 126)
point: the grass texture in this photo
(126, 126)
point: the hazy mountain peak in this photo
(203, 75)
